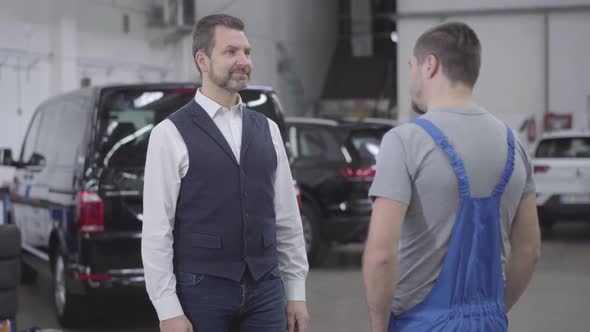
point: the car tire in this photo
(8, 303)
(10, 239)
(315, 246)
(9, 270)
(71, 309)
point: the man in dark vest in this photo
(222, 246)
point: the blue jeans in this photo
(215, 304)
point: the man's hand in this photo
(297, 316)
(176, 324)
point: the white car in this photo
(562, 175)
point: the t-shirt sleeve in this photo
(529, 186)
(392, 179)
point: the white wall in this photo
(409, 31)
(421, 6)
(511, 81)
(514, 73)
(307, 29)
(569, 51)
(311, 45)
(55, 36)
(256, 15)
(71, 39)
(95, 15)
(22, 91)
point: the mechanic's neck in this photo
(220, 95)
(453, 96)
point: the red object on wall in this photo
(554, 121)
(531, 130)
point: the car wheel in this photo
(314, 244)
(68, 307)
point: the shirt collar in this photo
(475, 110)
(212, 107)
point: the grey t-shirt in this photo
(413, 170)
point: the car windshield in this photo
(127, 117)
(340, 144)
(317, 142)
(366, 143)
(564, 147)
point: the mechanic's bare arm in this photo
(525, 240)
(380, 260)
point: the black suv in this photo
(77, 191)
(333, 163)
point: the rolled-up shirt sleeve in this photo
(165, 164)
(290, 241)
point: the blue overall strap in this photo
(509, 167)
(456, 162)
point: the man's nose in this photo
(243, 60)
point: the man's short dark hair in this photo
(204, 31)
(457, 48)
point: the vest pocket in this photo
(206, 240)
(188, 279)
(269, 237)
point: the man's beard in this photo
(230, 84)
(417, 109)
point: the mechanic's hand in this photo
(176, 324)
(297, 316)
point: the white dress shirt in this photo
(167, 163)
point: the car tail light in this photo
(362, 173)
(94, 277)
(90, 213)
(541, 168)
(298, 193)
(191, 91)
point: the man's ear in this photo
(202, 61)
(431, 65)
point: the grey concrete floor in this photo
(558, 298)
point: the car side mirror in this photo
(6, 157)
(37, 162)
(289, 151)
(38, 159)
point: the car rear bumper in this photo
(555, 210)
(82, 281)
(346, 229)
(108, 261)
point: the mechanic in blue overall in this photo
(454, 235)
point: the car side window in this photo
(39, 146)
(45, 150)
(568, 147)
(267, 104)
(32, 137)
(70, 131)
